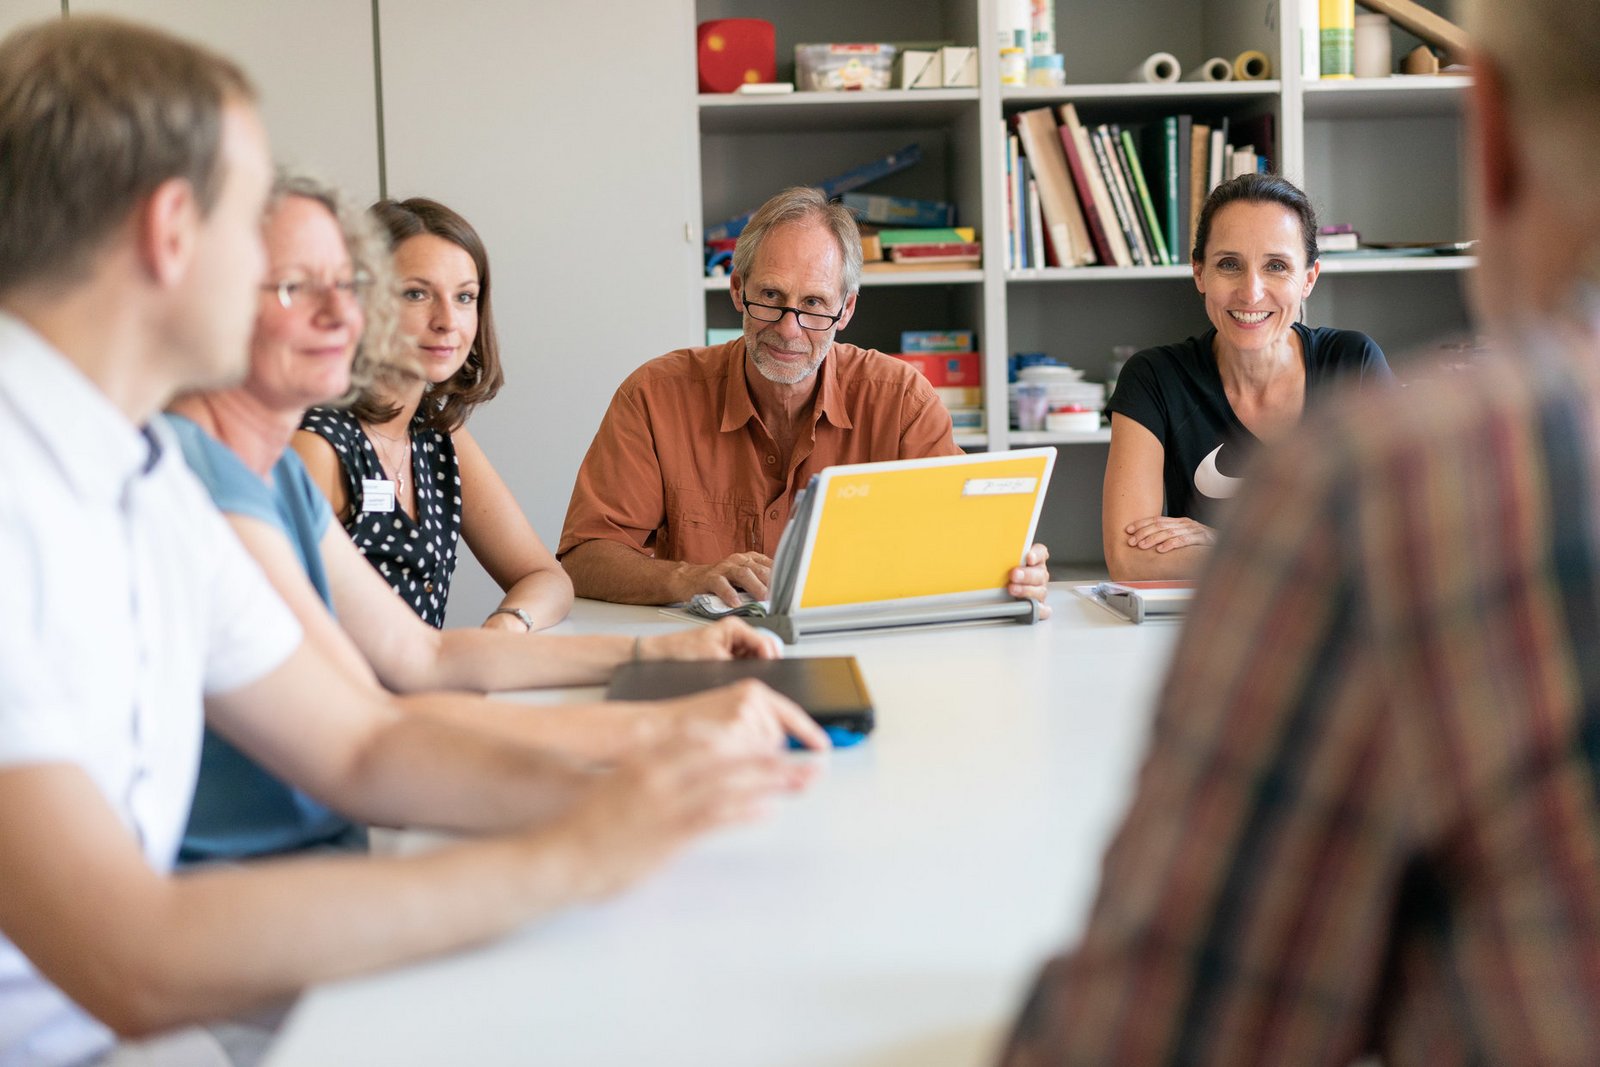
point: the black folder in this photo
(829, 688)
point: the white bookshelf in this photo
(1380, 154)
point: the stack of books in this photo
(897, 232)
(947, 360)
(1124, 196)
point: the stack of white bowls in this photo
(1064, 387)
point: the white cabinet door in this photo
(312, 62)
(565, 133)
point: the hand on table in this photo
(1031, 581)
(746, 717)
(654, 803)
(750, 571)
(1162, 533)
(723, 639)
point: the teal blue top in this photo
(239, 808)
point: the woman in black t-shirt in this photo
(1185, 416)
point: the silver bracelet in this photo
(523, 616)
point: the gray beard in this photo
(784, 374)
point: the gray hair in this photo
(802, 204)
(380, 350)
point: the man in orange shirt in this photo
(691, 477)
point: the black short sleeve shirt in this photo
(1175, 392)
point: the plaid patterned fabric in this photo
(1370, 816)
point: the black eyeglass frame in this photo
(832, 320)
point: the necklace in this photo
(400, 468)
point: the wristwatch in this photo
(526, 619)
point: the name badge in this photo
(377, 494)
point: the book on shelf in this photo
(1036, 256)
(1165, 150)
(935, 341)
(1122, 203)
(1013, 226)
(1218, 161)
(1260, 134)
(1063, 218)
(1095, 210)
(883, 210)
(1341, 240)
(922, 236)
(1153, 227)
(1199, 168)
(944, 252)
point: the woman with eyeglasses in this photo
(327, 317)
(403, 473)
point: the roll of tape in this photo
(1157, 68)
(1252, 66)
(1215, 69)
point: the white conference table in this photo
(892, 915)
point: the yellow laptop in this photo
(907, 543)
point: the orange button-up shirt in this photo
(683, 468)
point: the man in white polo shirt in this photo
(134, 170)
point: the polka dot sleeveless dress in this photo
(417, 557)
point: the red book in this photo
(951, 251)
(1091, 213)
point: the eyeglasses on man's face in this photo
(305, 293)
(815, 321)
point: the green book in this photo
(1145, 204)
(927, 236)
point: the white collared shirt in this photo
(130, 600)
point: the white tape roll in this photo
(1158, 68)
(1215, 69)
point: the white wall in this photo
(311, 61)
(565, 133)
(567, 139)
(14, 13)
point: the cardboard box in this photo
(960, 396)
(835, 67)
(947, 368)
(935, 341)
(958, 67)
(915, 69)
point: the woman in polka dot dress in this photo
(400, 468)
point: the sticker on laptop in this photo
(998, 486)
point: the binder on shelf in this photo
(908, 543)
(1063, 218)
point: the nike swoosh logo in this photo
(1211, 482)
